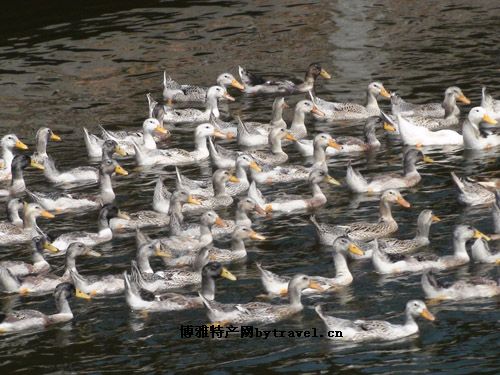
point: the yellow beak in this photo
(255, 166)
(257, 236)
(164, 254)
(489, 120)
(228, 97)
(219, 134)
(428, 159)
(220, 223)
(192, 200)
(55, 137)
(388, 127)
(314, 285)
(325, 74)
(478, 234)
(384, 93)
(46, 214)
(123, 215)
(227, 275)
(331, 180)
(119, 170)
(403, 202)
(238, 85)
(427, 315)
(120, 151)
(332, 143)
(36, 165)
(290, 137)
(435, 219)
(48, 246)
(161, 130)
(317, 111)
(81, 294)
(463, 99)
(234, 179)
(353, 248)
(20, 145)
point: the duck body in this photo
(471, 193)
(477, 287)
(490, 104)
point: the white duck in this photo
(474, 139)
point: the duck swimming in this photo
(481, 253)
(276, 155)
(474, 139)
(472, 193)
(8, 143)
(30, 229)
(14, 221)
(17, 184)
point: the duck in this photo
(172, 278)
(347, 144)
(43, 136)
(396, 246)
(98, 285)
(287, 204)
(359, 184)
(147, 250)
(17, 183)
(278, 285)
(193, 115)
(365, 231)
(60, 202)
(161, 197)
(14, 234)
(236, 253)
(176, 156)
(276, 155)
(104, 234)
(173, 91)
(39, 264)
(260, 312)
(14, 205)
(438, 110)
(179, 199)
(377, 330)
(419, 136)
(99, 149)
(490, 104)
(142, 300)
(351, 111)
(79, 175)
(474, 139)
(476, 287)
(383, 263)
(255, 84)
(298, 127)
(23, 320)
(244, 206)
(481, 253)
(44, 283)
(472, 193)
(8, 143)
(222, 157)
(291, 173)
(495, 213)
(181, 243)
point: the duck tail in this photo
(139, 154)
(355, 180)
(161, 197)
(242, 129)
(458, 182)
(206, 302)
(50, 171)
(319, 310)
(141, 238)
(387, 118)
(136, 276)
(430, 285)
(92, 143)
(178, 178)
(132, 292)
(8, 281)
(211, 147)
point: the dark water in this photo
(65, 67)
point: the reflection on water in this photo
(67, 68)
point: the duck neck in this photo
(319, 154)
(385, 211)
(298, 123)
(294, 295)
(241, 173)
(13, 215)
(175, 225)
(64, 312)
(459, 249)
(41, 145)
(341, 268)
(316, 190)
(143, 262)
(70, 264)
(205, 233)
(371, 101)
(17, 183)
(38, 258)
(423, 231)
(276, 145)
(107, 193)
(450, 106)
(149, 141)
(7, 156)
(103, 227)
(237, 244)
(371, 137)
(30, 221)
(241, 217)
(409, 166)
(200, 142)
(277, 114)
(207, 286)
(410, 320)
(219, 188)
(496, 218)
(212, 107)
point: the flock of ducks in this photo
(189, 256)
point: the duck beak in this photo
(427, 315)
(36, 165)
(46, 214)
(463, 99)
(234, 179)
(238, 85)
(20, 145)
(384, 93)
(228, 97)
(285, 105)
(255, 167)
(160, 130)
(257, 236)
(325, 74)
(227, 275)
(259, 210)
(435, 219)
(49, 247)
(388, 127)
(331, 180)
(162, 253)
(220, 223)
(317, 111)
(123, 215)
(428, 159)
(353, 248)
(219, 134)
(192, 200)
(334, 144)
(93, 253)
(55, 137)
(119, 170)
(314, 285)
(120, 151)
(478, 234)
(230, 135)
(290, 137)
(403, 202)
(489, 120)
(81, 294)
